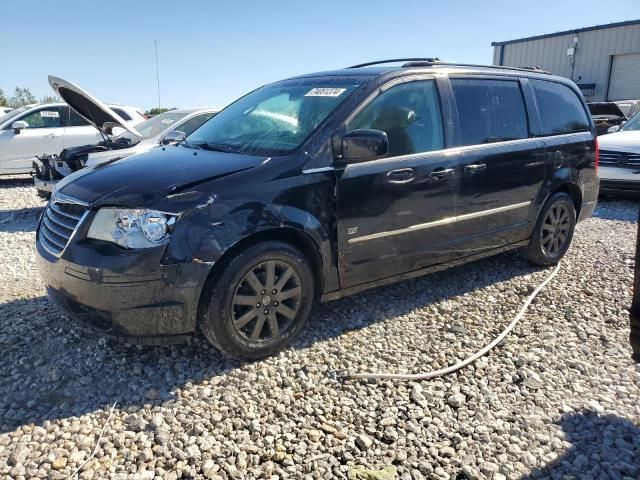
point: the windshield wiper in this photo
(216, 147)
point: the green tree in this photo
(21, 97)
(157, 111)
(3, 99)
(50, 99)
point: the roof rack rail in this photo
(432, 61)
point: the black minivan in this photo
(316, 187)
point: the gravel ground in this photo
(558, 398)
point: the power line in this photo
(157, 72)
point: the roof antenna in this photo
(157, 72)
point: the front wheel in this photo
(553, 232)
(260, 301)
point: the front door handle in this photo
(441, 172)
(401, 175)
(52, 135)
(475, 167)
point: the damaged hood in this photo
(141, 180)
(89, 107)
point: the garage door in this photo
(624, 83)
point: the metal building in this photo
(603, 60)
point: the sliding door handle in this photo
(441, 172)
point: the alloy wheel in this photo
(266, 301)
(555, 229)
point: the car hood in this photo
(141, 180)
(621, 141)
(89, 107)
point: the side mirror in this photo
(613, 129)
(364, 144)
(17, 126)
(173, 137)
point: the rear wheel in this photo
(552, 235)
(260, 302)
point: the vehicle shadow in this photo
(53, 368)
(12, 181)
(20, 220)
(617, 209)
(604, 446)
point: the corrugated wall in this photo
(593, 54)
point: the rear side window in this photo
(489, 110)
(561, 110)
(124, 115)
(75, 120)
(409, 114)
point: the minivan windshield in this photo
(275, 119)
(632, 125)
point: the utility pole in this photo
(634, 313)
(157, 72)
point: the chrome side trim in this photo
(436, 223)
(318, 170)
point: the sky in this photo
(211, 52)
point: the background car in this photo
(606, 115)
(629, 107)
(619, 170)
(153, 132)
(47, 129)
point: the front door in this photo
(394, 214)
(44, 135)
(503, 166)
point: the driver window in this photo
(409, 114)
(47, 117)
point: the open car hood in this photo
(89, 107)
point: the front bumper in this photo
(44, 185)
(126, 294)
(620, 187)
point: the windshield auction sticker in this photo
(324, 92)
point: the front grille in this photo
(59, 221)
(621, 159)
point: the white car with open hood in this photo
(163, 129)
(46, 129)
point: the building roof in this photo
(567, 32)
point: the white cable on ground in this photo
(95, 449)
(466, 361)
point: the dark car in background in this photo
(316, 187)
(606, 115)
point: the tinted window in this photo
(75, 120)
(46, 117)
(560, 108)
(124, 115)
(410, 116)
(490, 110)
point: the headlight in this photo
(132, 228)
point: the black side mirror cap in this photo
(363, 145)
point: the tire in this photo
(553, 232)
(240, 311)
